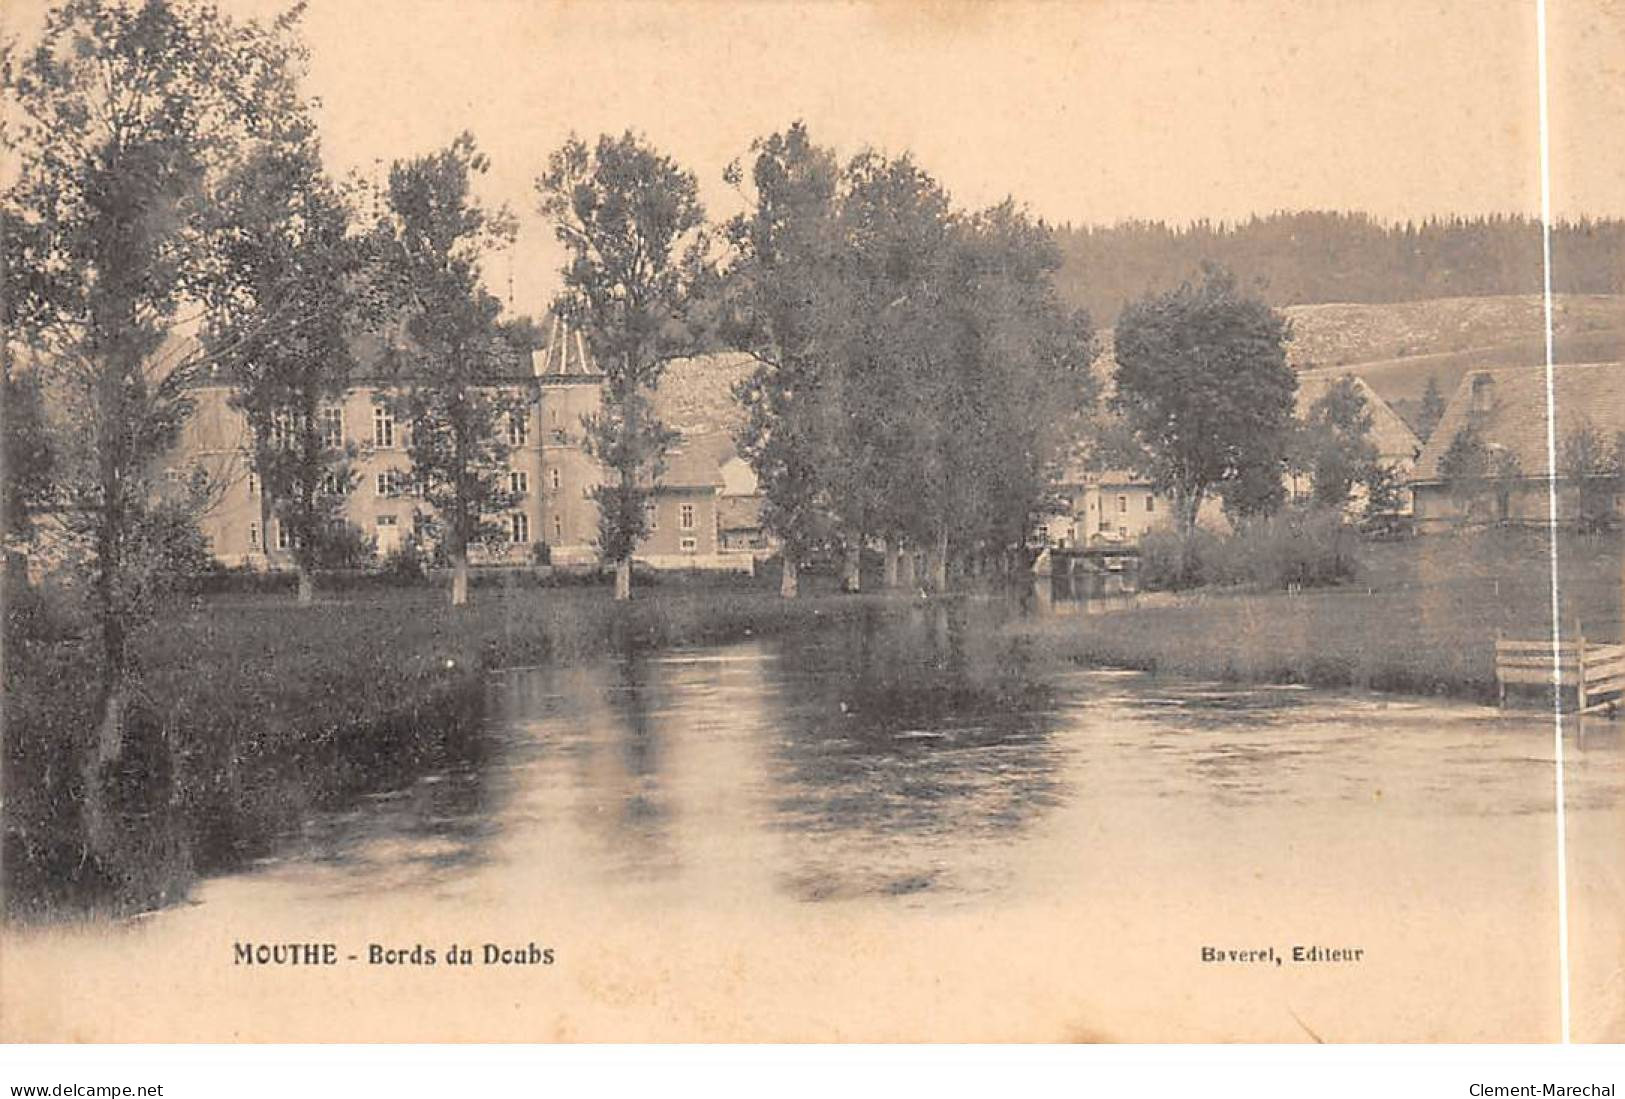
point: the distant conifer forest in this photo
(1322, 256)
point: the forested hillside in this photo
(1321, 256)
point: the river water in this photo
(906, 830)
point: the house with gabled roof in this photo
(1507, 410)
(1398, 446)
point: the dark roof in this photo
(1512, 413)
(1390, 434)
(696, 462)
(739, 513)
(1077, 474)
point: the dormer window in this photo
(1483, 393)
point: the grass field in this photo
(1421, 620)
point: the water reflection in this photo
(896, 773)
(903, 829)
(913, 758)
(1085, 590)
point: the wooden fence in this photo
(1595, 673)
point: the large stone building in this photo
(549, 473)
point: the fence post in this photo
(1580, 689)
(1500, 679)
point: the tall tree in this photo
(455, 356)
(1020, 387)
(287, 253)
(1203, 379)
(1431, 410)
(893, 388)
(1337, 437)
(631, 221)
(1471, 468)
(129, 113)
(1591, 463)
(783, 298)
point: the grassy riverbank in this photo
(250, 711)
(1421, 619)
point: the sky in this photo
(1091, 111)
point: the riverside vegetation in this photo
(253, 711)
(1414, 617)
(250, 711)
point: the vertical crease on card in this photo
(1559, 795)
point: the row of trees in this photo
(1481, 476)
(917, 377)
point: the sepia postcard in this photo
(851, 521)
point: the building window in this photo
(518, 427)
(558, 479)
(281, 430)
(1150, 503)
(685, 516)
(254, 536)
(1122, 504)
(518, 484)
(689, 545)
(386, 484)
(333, 427)
(253, 484)
(284, 536)
(558, 530)
(651, 516)
(331, 484)
(1122, 532)
(519, 527)
(386, 521)
(383, 427)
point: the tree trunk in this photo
(94, 810)
(889, 554)
(459, 578)
(939, 563)
(623, 579)
(790, 578)
(307, 586)
(851, 578)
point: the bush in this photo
(1298, 547)
(1170, 561)
(1306, 546)
(406, 563)
(346, 546)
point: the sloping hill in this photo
(1340, 334)
(1397, 348)
(696, 397)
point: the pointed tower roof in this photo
(566, 356)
